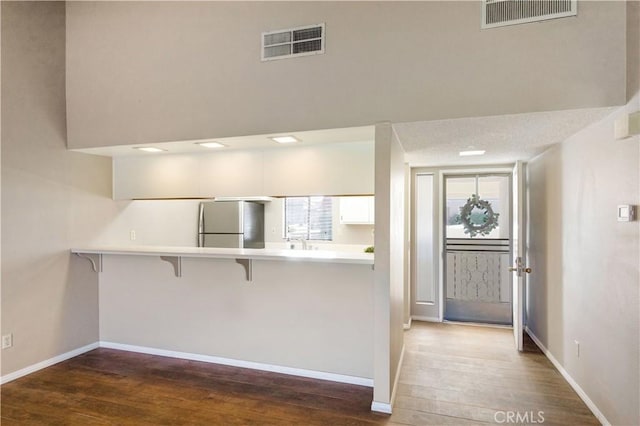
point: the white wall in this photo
(585, 280)
(389, 262)
(52, 199)
(155, 222)
(313, 316)
(164, 71)
(585, 284)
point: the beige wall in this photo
(389, 262)
(51, 199)
(397, 254)
(586, 274)
(162, 71)
(313, 316)
(633, 49)
(585, 279)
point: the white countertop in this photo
(233, 253)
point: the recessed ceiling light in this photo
(149, 149)
(211, 144)
(470, 153)
(284, 139)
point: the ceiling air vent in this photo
(499, 13)
(301, 41)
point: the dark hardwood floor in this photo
(452, 374)
(114, 387)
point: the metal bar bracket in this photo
(176, 261)
(248, 267)
(94, 258)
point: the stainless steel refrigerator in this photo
(236, 224)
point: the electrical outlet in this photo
(7, 341)
(132, 235)
(577, 348)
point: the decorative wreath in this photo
(490, 219)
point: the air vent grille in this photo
(293, 42)
(499, 13)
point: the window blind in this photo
(310, 218)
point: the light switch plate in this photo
(626, 213)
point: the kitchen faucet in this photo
(304, 243)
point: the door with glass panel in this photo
(477, 248)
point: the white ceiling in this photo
(506, 138)
(352, 134)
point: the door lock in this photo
(519, 269)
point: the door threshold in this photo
(478, 324)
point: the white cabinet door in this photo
(357, 210)
(161, 176)
(331, 169)
(231, 174)
(344, 168)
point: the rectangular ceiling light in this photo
(470, 153)
(285, 139)
(149, 149)
(211, 144)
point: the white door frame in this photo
(439, 175)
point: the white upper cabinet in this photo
(357, 210)
(158, 176)
(330, 169)
(231, 174)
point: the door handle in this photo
(519, 268)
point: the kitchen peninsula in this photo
(307, 313)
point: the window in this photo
(310, 218)
(492, 188)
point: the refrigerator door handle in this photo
(201, 225)
(201, 219)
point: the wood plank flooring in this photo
(452, 374)
(114, 387)
(462, 374)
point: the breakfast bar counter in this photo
(232, 253)
(302, 312)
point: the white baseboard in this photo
(383, 407)
(340, 378)
(47, 363)
(576, 387)
(478, 324)
(407, 326)
(395, 382)
(429, 319)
